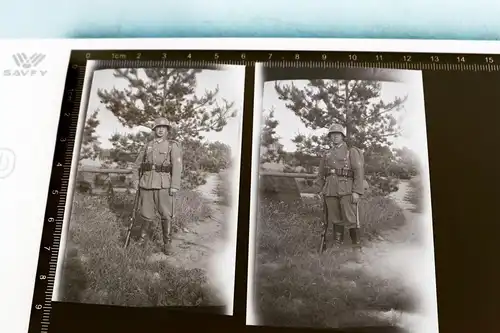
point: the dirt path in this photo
(194, 246)
(395, 257)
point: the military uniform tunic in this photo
(341, 172)
(160, 162)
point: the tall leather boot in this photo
(354, 233)
(166, 226)
(338, 235)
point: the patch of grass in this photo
(295, 286)
(189, 206)
(223, 189)
(378, 215)
(306, 186)
(415, 193)
(99, 270)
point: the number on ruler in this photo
(461, 59)
(297, 56)
(353, 57)
(38, 306)
(66, 114)
(55, 192)
(189, 55)
(74, 66)
(323, 56)
(243, 56)
(489, 60)
(47, 248)
(216, 56)
(379, 57)
(58, 164)
(62, 139)
(87, 56)
(50, 219)
(434, 58)
(407, 58)
(43, 277)
(270, 55)
(138, 56)
(163, 56)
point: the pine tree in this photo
(126, 147)
(169, 93)
(269, 140)
(90, 148)
(355, 104)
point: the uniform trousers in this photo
(342, 211)
(153, 201)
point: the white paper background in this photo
(29, 117)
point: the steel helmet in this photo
(337, 128)
(161, 122)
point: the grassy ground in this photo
(306, 186)
(223, 189)
(298, 287)
(415, 194)
(98, 269)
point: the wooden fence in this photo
(98, 181)
(283, 186)
(278, 185)
(94, 180)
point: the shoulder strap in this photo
(360, 152)
(145, 151)
(175, 142)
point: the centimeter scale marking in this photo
(44, 285)
(298, 59)
(308, 64)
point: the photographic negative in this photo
(152, 202)
(341, 218)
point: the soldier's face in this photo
(161, 131)
(336, 138)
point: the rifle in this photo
(172, 215)
(132, 218)
(325, 226)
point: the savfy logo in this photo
(26, 65)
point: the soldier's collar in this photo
(339, 145)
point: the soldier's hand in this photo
(318, 189)
(355, 197)
(173, 191)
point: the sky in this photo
(231, 87)
(411, 119)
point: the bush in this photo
(295, 286)
(381, 185)
(98, 270)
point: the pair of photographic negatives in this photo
(318, 255)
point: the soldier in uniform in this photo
(157, 173)
(340, 177)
